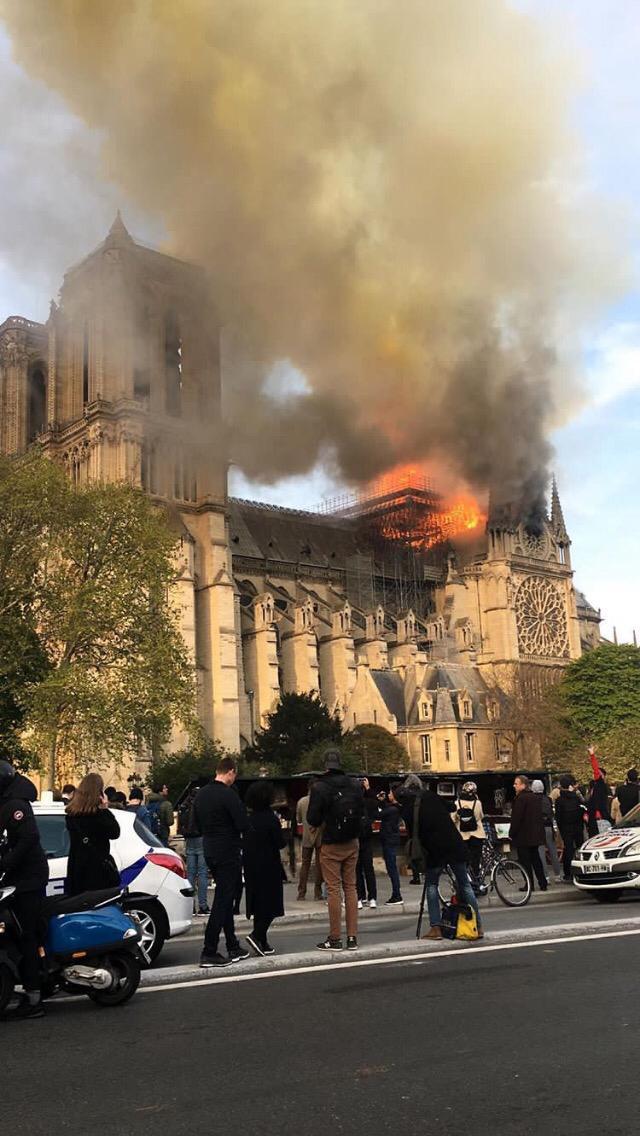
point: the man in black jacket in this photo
(221, 818)
(570, 813)
(23, 865)
(527, 830)
(337, 803)
(442, 844)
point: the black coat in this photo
(570, 813)
(221, 817)
(264, 839)
(23, 863)
(90, 867)
(439, 837)
(527, 825)
(628, 796)
(390, 825)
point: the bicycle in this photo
(497, 873)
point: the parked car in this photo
(609, 864)
(147, 869)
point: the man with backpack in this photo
(160, 812)
(194, 851)
(337, 803)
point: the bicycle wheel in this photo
(446, 886)
(512, 883)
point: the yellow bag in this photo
(467, 927)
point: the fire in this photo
(424, 521)
(463, 515)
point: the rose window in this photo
(542, 621)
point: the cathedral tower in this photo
(123, 384)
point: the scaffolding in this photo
(401, 567)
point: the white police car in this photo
(609, 864)
(147, 869)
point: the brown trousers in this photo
(305, 868)
(339, 870)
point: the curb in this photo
(411, 907)
(306, 960)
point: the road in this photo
(521, 1040)
(378, 929)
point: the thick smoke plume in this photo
(379, 191)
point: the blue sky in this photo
(54, 209)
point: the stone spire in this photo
(118, 234)
(557, 517)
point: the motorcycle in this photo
(90, 946)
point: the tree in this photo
(529, 716)
(32, 492)
(177, 770)
(299, 722)
(374, 749)
(601, 691)
(93, 585)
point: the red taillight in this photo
(166, 860)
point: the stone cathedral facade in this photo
(120, 384)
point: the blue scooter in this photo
(90, 946)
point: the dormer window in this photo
(425, 710)
(466, 708)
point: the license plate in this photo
(599, 869)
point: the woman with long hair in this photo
(264, 840)
(91, 827)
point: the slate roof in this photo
(391, 687)
(290, 535)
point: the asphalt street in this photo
(518, 1040)
(381, 928)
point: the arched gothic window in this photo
(37, 410)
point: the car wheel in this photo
(607, 896)
(153, 926)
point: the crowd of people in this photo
(239, 844)
(244, 840)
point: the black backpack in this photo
(153, 822)
(345, 813)
(467, 816)
(187, 822)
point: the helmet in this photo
(469, 787)
(7, 774)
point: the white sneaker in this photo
(359, 905)
(372, 903)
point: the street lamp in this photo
(250, 697)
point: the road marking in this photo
(352, 964)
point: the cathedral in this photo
(363, 602)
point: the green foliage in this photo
(87, 577)
(176, 770)
(31, 493)
(299, 722)
(621, 750)
(374, 750)
(601, 691)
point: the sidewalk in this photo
(311, 910)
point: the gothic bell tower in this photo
(123, 384)
(526, 593)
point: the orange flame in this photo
(461, 516)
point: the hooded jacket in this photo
(23, 863)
